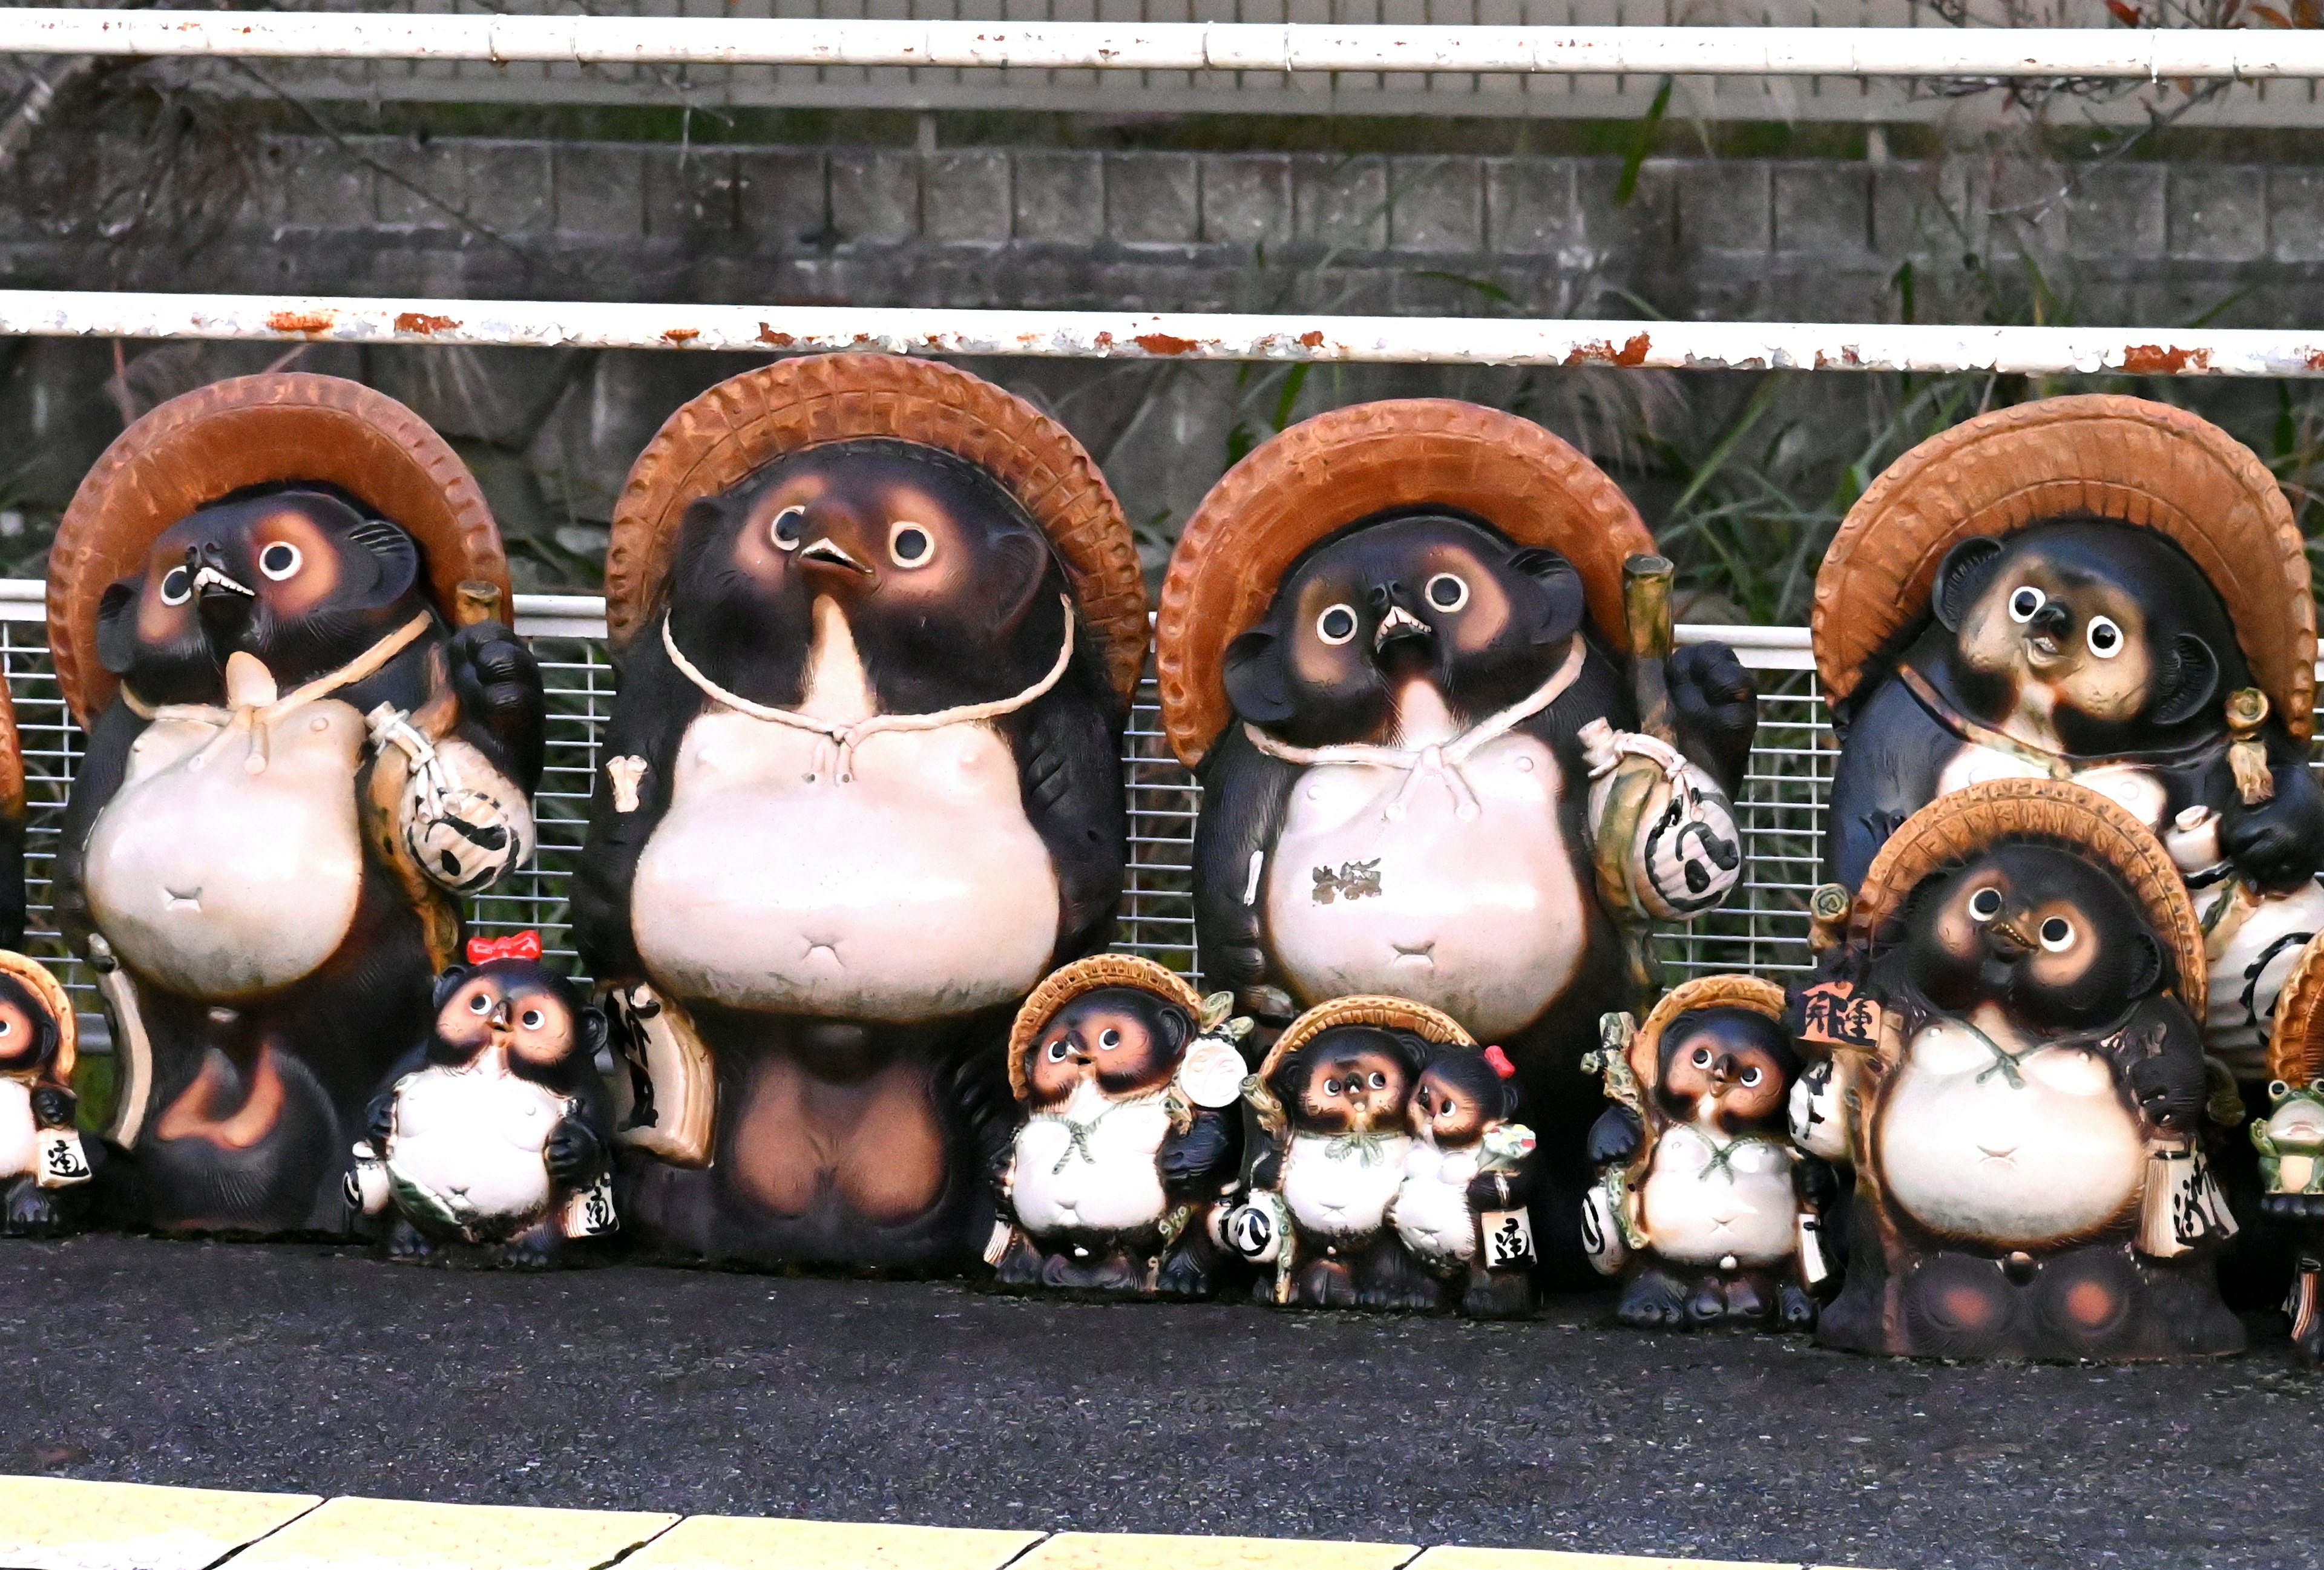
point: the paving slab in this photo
(750, 1543)
(387, 1534)
(1157, 1551)
(58, 1523)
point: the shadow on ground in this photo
(314, 1369)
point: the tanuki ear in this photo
(1559, 603)
(1961, 578)
(2189, 677)
(449, 983)
(116, 627)
(2146, 965)
(1258, 685)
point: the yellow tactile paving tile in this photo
(61, 1523)
(746, 1543)
(1458, 1559)
(1138, 1551)
(383, 1534)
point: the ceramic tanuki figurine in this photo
(2289, 1137)
(1343, 1187)
(877, 624)
(269, 604)
(1394, 644)
(2019, 1088)
(496, 1132)
(43, 1164)
(2099, 589)
(1704, 1205)
(1132, 1089)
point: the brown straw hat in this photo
(2101, 454)
(737, 426)
(1971, 820)
(35, 979)
(205, 444)
(1326, 473)
(1066, 983)
(1703, 991)
(2295, 1044)
(1389, 1013)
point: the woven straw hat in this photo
(1389, 1013)
(284, 425)
(2100, 454)
(2295, 1045)
(739, 426)
(1703, 991)
(1969, 821)
(1066, 983)
(1326, 473)
(35, 979)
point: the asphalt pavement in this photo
(314, 1369)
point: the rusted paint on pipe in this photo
(1126, 334)
(2117, 53)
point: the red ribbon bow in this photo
(515, 946)
(1499, 1062)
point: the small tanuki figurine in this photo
(1326, 1217)
(271, 605)
(1704, 1204)
(2105, 590)
(2022, 1105)
(877, 624)
(1132, 1089)
(497, 1131)
(42, 1162)
(2289, 1136)
(1418, 654)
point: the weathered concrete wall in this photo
(552, 432)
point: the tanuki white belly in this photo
(20, 1144)
(916, 890)
(474, 1138)
(1704, 1202)
(1469, 906)
(1431, 1203)
(2037, 1150)
(1341, 1187)
(1091, 1167)
(230, 865)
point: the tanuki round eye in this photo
(2057, 933)
(2105, 637)
(1750, 1076)
(789, 525)
(1108, 1039)
(1056, 1051)
(530, 1019)
(1985, 904)
(1447, 1109)
(1448, 591)
(1336, 625)
(480, 1003)
(1378, 1081)
(2025, 602)
(1703, 1058)
(177, 586)
(909, 545)
(7, 1027)
(1331, 1087)
(279, 560)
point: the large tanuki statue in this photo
(2104, 590)
(1394, 644)
(877, 624)
(297, 757)
(2021, 1090)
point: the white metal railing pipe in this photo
(2122, 53)
(1132, 335)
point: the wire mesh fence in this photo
(1763, 929)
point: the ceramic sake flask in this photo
(492, 1141)
(2104, 590)
(877, 624)
(1131, 1089)
(273, 603)
(2289, 1136)
(44, 1167)
(1418, 654)
(1391, 1173)
(2010, 1063)
(1704, 1207)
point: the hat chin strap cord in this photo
(1445, 759)
(840, 738)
